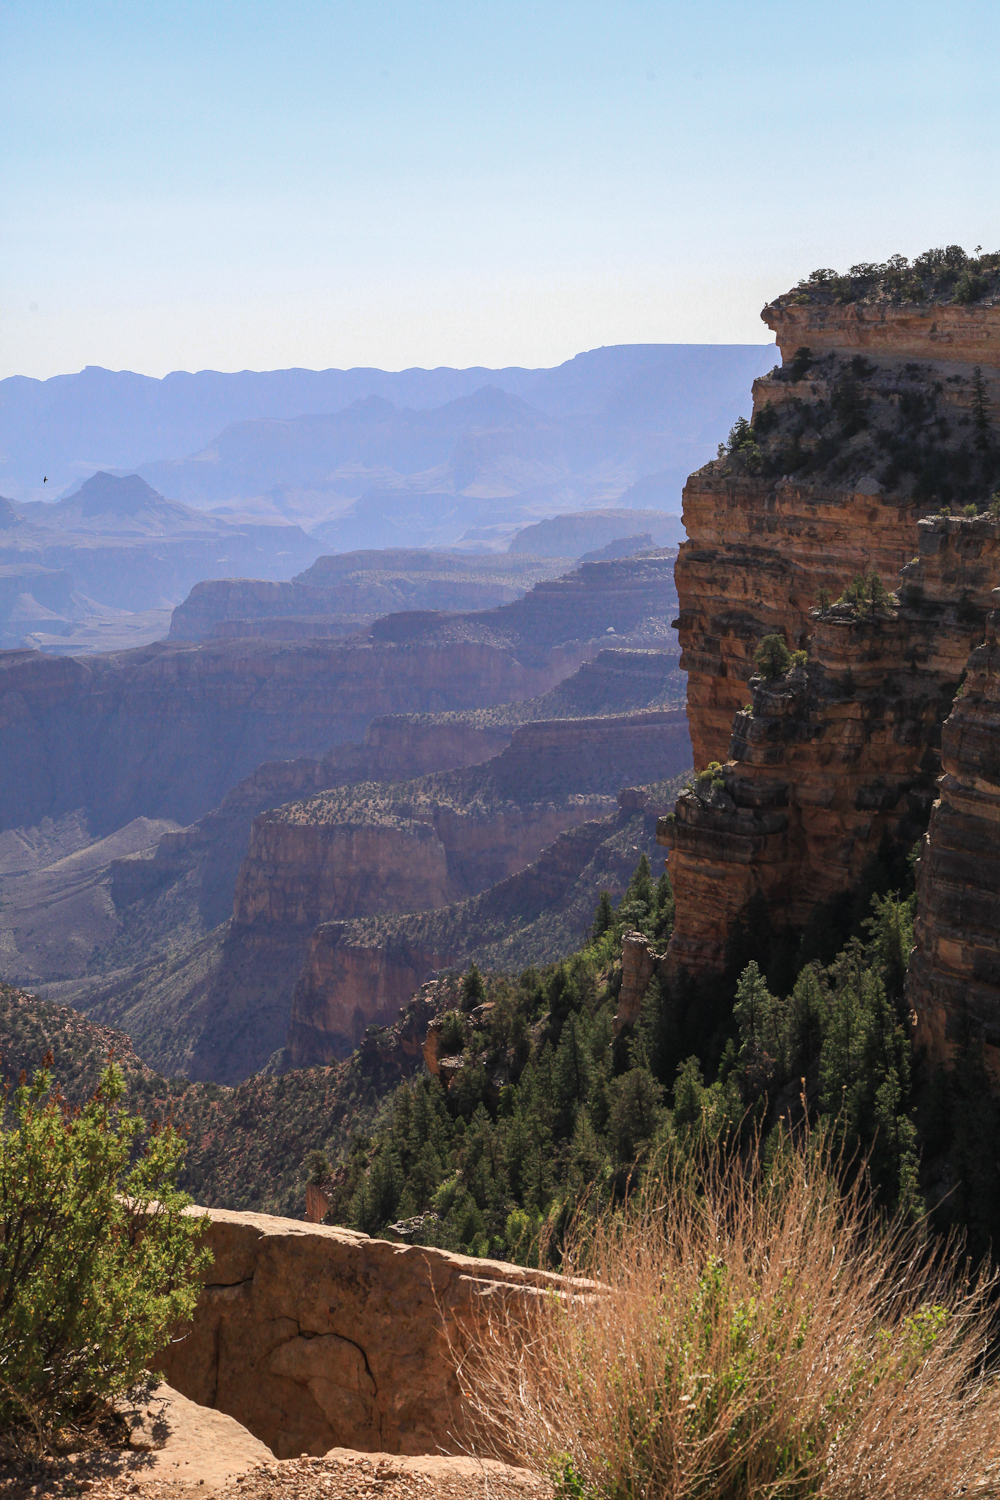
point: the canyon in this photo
(862, 442)
(167, 730)
(193, 938)
(342, 594)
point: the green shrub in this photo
(867, 594)
(97, 1262)
(772, 657)
(473, 988)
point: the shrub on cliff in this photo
(745, 1332)
(97, 1262)
(772, 657)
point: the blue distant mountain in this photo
(311, 444)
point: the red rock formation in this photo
(833, 755)
(346, 986)
(966, 334)
(761, 545)
(954, 976)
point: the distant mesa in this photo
(624, 546)
(589, 531)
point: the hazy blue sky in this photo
(256, 186)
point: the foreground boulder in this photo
(315, 1338)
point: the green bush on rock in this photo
(97, 1261)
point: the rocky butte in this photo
(828, 521)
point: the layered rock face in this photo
(316, 1338)
(954, 976)
(167, 730)
(848, 450)
(964, 333)
(424, 844)
(835, 754)
(348, 590)
(856, 446)
(534, 916)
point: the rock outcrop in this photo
(852, 452)
(954, 977)
(835, 755)
(848, 451)
(315, 1338)
(640, 962)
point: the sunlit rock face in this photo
(877, 420)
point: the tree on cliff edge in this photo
(97, 1260)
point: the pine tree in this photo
(473, 988)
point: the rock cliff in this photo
(534, 916)
(315, 1338)
(167, 730)
(954, 977)
(835, 755)
(846, 454)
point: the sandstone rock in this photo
(314, 1337)
(639, 963)
(317, 1203)
(186, 1442)
(833, 755)
(932, 332)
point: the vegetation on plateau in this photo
(845, 418)
(942, 275)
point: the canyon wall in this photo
(845, 748)
(167, 730)
(954, 976)
(826, 501)
(834, 755)
(359, 973)
(315, 1338)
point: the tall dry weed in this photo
(747, 1335)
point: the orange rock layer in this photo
(833, 755)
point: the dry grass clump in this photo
(752, 1335)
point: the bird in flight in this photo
(46, 479)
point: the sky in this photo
(189, 186)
